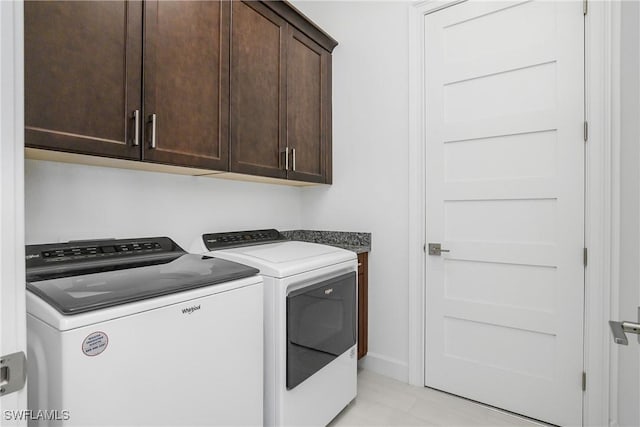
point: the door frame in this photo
(602, 202)
(13, 336)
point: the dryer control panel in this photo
(231, 239)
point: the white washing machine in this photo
(136, 332)
(310, 322)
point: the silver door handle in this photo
(436, 249)
(13, 372)
(152, 121)
(620, 330)
(136, 128)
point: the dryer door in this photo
(321, 325)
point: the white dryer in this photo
(310, 322)
(138, 332)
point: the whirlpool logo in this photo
(190, 310)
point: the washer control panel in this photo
(79, 251)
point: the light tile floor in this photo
(383, 401)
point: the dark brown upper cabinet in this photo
(82, 76)
(208, 85)
(308, 103)
(84, 69)
(186, 83)
(258, 84)
(280, 93)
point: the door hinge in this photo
(584, 381)
(586, 131)
(585, 7)
(424, 248)
(584, 256)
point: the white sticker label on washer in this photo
(95, 343)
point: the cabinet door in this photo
(82, 76)
(308, 104)
(186, 85)
(258, 103)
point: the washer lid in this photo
(95, 291)
(287, 258)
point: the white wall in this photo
(370, 160)
(71, 202)
(629, 357)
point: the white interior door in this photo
(505, 195)
(626, 409)
(12, 284)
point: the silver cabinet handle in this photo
(436, 249)
(620, 329)
(136, 128)
(293, 154)
(153, 119)
(286, 158)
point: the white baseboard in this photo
(387, 366)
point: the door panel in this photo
(306, 107)
(82, 76)
(186, 82)
(258, 101)
(626, 411)
(505, 194)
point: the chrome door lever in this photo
(620, 329)
(436, 249)
(13, 372)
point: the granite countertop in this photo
(355, 242)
